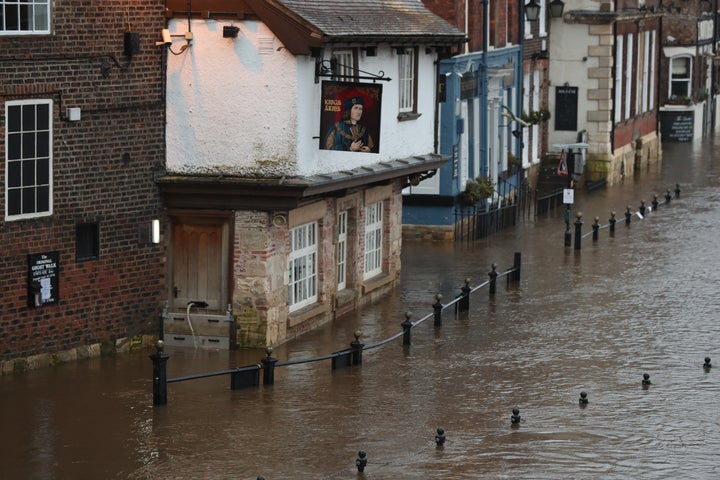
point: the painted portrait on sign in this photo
(350, 117)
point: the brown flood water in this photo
(595, 320)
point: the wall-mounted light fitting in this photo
(556, 8)
(73, 114)
(166, 38)
(230, 31)
(156, 231)
(532, 11)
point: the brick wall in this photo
(102, 171)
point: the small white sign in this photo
(568, 195)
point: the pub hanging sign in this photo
(43, 279)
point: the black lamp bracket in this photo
(329, 69)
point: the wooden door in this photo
(198, 266)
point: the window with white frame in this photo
(651, 93)
(373, 239)
(23, 17)
(28, 159)
(302, 266)
(343, 63)
(628, 74)
(680, 68)
(342, 250)
(618, 95)
(407, 66)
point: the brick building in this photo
(82, 122)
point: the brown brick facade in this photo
(102, 173)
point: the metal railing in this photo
(249, 375)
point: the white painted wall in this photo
(247, 106)
(568, 46)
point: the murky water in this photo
(594, 320)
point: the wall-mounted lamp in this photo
(166, 38)
(556, 8)
(131, 43)
(156, 231)
(230, 31)
(73, 114)
(532, 11)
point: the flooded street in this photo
(594, 320)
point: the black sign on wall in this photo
(566, 106)
(677, 126)
(43, 279)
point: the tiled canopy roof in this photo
(365, 18)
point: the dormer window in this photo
(343, 63)
(24, 17)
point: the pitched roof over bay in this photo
(396, 18)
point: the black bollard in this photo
(407, 328)
(361, 461)
(578, 231)
(268, 364)
(161, 328)
(612, 223)
(642, 208)
(517, 262)
(464, 303)
(707, 365)
(655, 202)
(159, 359)
(583, 398)
(628, 215)
(596, 228)
(357, 349)
(668, 197)
(677, 190)
(515, 417)
(568, 235)
(493, 279)
(437, 310)
(646, 379)
(440, 437)
(260, 478)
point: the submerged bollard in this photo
(437, 310)
(668, 197)
(596, 228)
(612, 222)
(493, 279)
(407, 328)
(707, 365)
(655, 202)
(159, 360)
(515, 417)
(578, 231)
(583, 398)
(677, 190)
(357, 349)
(642, 208)
(440, 437)
(517, 263)
(268, 367)
(361, 461)
(464, 303)
(646, 379)
(628, 215)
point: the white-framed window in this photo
(373, 239)
(342, 250)
(628, 74)
(344, 68)
(302, 266)
(651, 93)
(618, 95)
(28, 159)
(24, 17)
(680, 76)
(407, 67)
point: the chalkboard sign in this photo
(566, 106)
(43, 279)
(677, 126)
